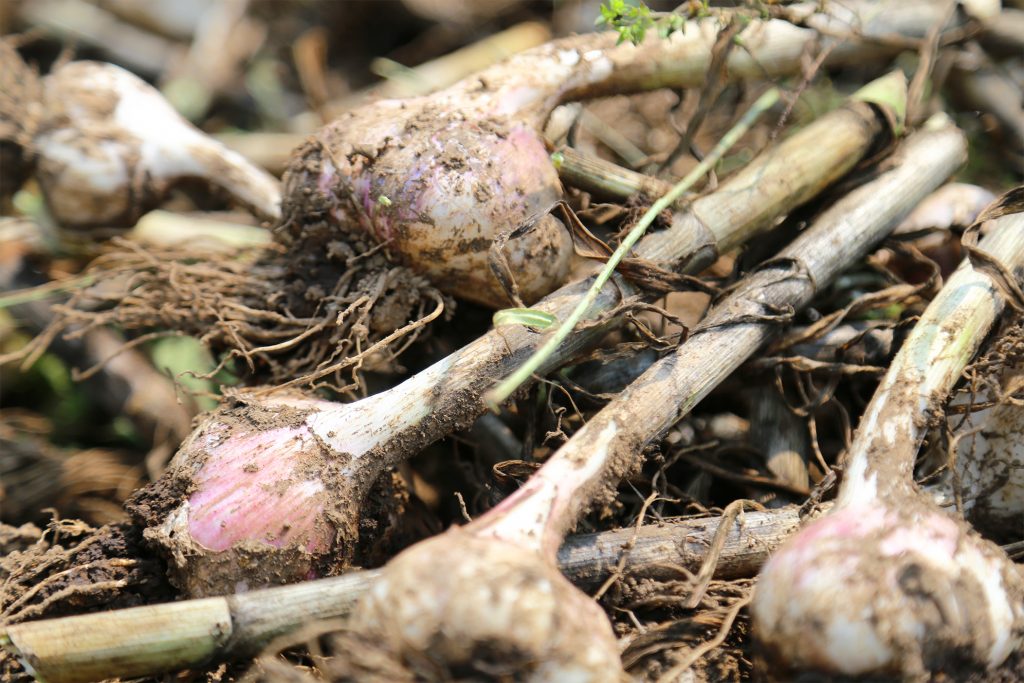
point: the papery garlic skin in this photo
(820, 607)
(110, 147)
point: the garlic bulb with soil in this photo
(886, 583)
(437, 179)
(108, 147)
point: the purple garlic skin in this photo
(264, 493)
(872, 590)
(278, 487)
(436, 184)
(110, 147)
(243, 505)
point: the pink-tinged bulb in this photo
(274, 488)
(254, 488)
(437, 187)
(870, 589)
(254, 498)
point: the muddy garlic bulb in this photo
(519, 616)
(273, 489)
(109, 146)
(886, 583)
(437, 179)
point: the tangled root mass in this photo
(291, 318)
